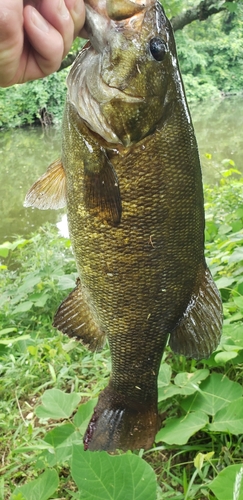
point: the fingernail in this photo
(39, 21)
(63, 11)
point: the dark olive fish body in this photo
(136, 221)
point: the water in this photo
(26, 153)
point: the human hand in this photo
(35, 35)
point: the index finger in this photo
(11, 38)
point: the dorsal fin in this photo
(49, 191)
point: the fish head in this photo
(124, 80)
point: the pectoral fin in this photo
(50, 189)
(198, 332)
(75, 318)
(101, 190)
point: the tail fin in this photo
(120, 424)
(198, 333)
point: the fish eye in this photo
(157, 48)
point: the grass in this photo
(36, 359)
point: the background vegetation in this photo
(210, 55)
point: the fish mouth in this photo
(98, 26)
(119, 15)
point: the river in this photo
(25, 154)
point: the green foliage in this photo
(33, 102)
(211, 56)
(39, 489)
(198, 452)
(228, 484)
(108, 477)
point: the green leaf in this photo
(84, 414)
(59, 434)
(4, 252)
(229, 483)
(39, 489)
(185, 384)
(234, 333)
(179, 430)
(229, 419)
(106, 477)
(61, 438)
(29, 283)
(23, 307)
(224, 282)
(216, 392)
(5, 331)
(201, 458)
(239, 301)
(164, 375)
(57, 404)
(66, 282)
(13, 340)
(188, 382)
(223, 357)
(231, 6)
(236, 256)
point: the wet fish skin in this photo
(136, 220)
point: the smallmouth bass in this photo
(130, 175)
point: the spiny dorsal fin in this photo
(198, 333)
(75, 318)
(50, 189)
(101, 190)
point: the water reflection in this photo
(26, 153)
(24, 156)
(218, 125)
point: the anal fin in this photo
(74, 318)
(198, 332)
(49, 191)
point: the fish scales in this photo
(136, 222)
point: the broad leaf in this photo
(39, 489)
(223, 357)
(229, 483)
(23, 307)
(164, 375)
(84, 414)
(59, 434)
(61, 440)
(57, 404)
(184, 384)
(216, 392)
(234, 333)
(106, 477)
(229, 419)
(224, 282)
(179, 430)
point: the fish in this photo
(130, 176)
